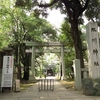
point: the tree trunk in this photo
(26, 67)
(77, 41)
(19, 66)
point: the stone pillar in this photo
(93, 50)
(32, 76)
(63, 63)
(77, 74)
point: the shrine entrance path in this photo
(59, 93)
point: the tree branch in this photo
(48, 4)
(84, 8)
(86, 5)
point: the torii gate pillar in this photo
(63, 63)
(32, 76)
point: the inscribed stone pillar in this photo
(93, 50)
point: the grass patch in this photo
(26, 84)
(68, 84)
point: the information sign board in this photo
(7, 71)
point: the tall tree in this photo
(65, 37)
(5, 24)
(74, 9)
(18, 25)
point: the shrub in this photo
(97, 86)
(87, 85)
(91, 87)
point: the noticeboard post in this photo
(7, 72)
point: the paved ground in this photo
(59, 93)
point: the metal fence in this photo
(46, 84)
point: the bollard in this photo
(17, 85)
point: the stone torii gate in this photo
(50, 44)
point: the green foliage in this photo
(22, 24)
(5, 24)
(93, 11)
(69, 57)
(18, 25)
(65, 37)
(24, 3)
